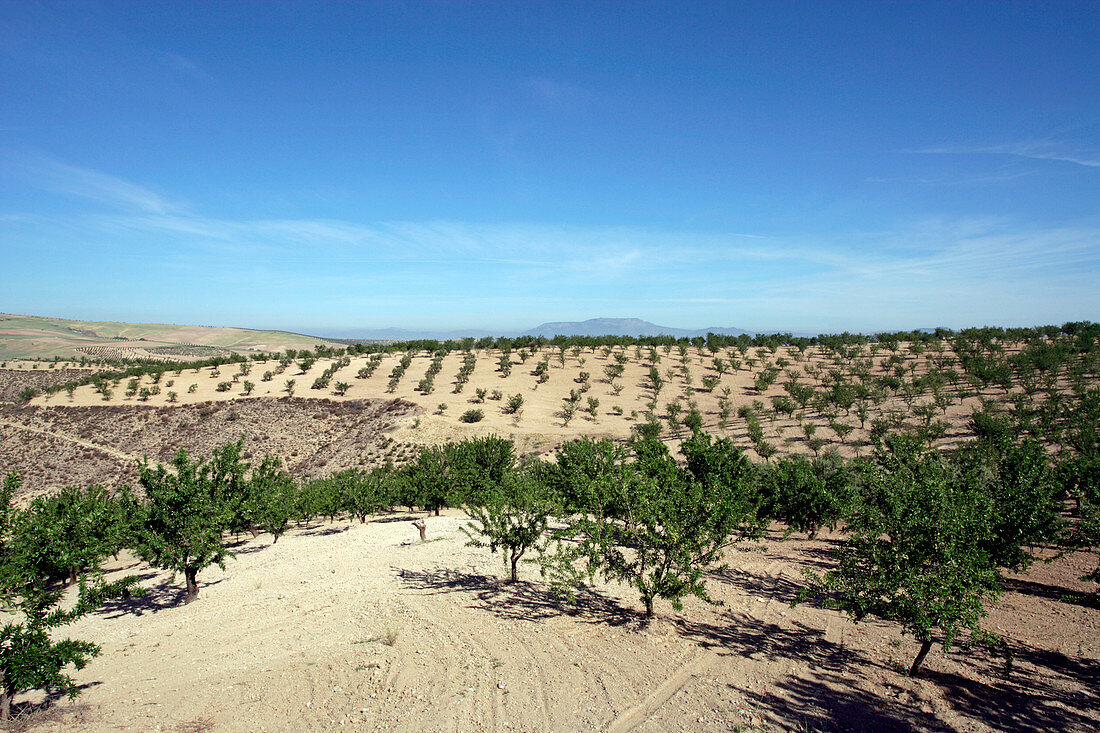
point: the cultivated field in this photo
(359, 625)
(804, 401)
(38, 337)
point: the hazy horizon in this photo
(803, 167)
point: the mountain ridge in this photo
(549, 329)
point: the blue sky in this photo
(772, 166)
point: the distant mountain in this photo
(623, 327)
(591, 327)
(402, 334)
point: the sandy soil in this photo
(358, 626)
(540, 421)
(44, 338)
(297, 635)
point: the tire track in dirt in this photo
(696, 666)
(445, 664)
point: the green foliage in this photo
(584, 473)
(31, 657)
(918, 552)
(67, 533)
(426, 480)
(187, 512)
(362, 493)
(472, 416)
(804, 494)
(1022, 488)
(672, 531)
(511, 517)
(478, 465)
(514, 404)
(270, 498)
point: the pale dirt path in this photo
(71, 439)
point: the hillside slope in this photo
(40, 337)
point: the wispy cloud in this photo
(950, 180)
(968, 266)
(1033, 149)
(57, 177)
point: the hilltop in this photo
(39, 337)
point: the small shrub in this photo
(472, 416)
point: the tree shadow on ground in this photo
(167, 593)
(1032, 588)
(325, 531)
(521, 600)
(1048, 691)
(406, 517)
(245, 546)
(1038, 590)
(743, 636)
(830, 702)
(775, 587)
(28, 716)
(1025, 701)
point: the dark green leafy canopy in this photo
(478, 465)
(585, 471)
(63, 534)
(427, 481)
(186, 513)
(30, 656)
(670, 528)
(806, 494)
(919, 552)
(271, 497)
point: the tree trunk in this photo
(649, 608)
(72, 577)
(515, 575)
(5, 699)
(423, 527)
(192, 584)
(924, 647)
(437, 511)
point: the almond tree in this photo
(670, 529)
(919, 549)
(187, 513)
(31, 657)
(511, 517)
